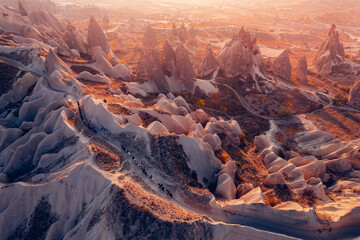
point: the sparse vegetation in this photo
(340, 99)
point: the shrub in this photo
(340, 99)
(345, 89)
(285, 114)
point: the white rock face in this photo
(226, 187)
(94, 78)
(281, 66)
(241, 57)
(274, 179)
(53, 62)
(253, 196)
(230, 129)
(289, 206)
(157, 128)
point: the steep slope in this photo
(331, 56)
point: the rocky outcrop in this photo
(22, 10)
(354, 99)
(174, 35)
(330, 58)
(241, 57)
(183, 33)
(208, 64)
(149, 37)
(184, 67)
(149, 69)
(169, 60)
(96, 36)
(45, 18)
(281, 66)
(74, 39)
(301, 70)
(53, 62)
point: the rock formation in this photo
(74, 39)
(53, 62)
(241, 57)
(354, 99)
(183, 33)
(149, 69)
(22, 10)
(174, 33)
(149, 37)
(331, 56)
(170, 62)
(208, 64)
(281, 66)
(184, 67)
(96, 36)
(49, 20)
(301, 70)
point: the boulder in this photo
(244, 188)
(157, 128)
(339, 165)
(274, 179)
(226, 187)
(253, 196)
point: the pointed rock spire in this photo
(96, 36)
(183, 33)
(149, 69)
(105, 22)
(169, 58)
(208, 64)
(74, 39)
(22, 10)
(282, 66)
(184, 67)
(53, 62)
(301, 70)
(174, 33)
(149, 37)
(331, 52)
